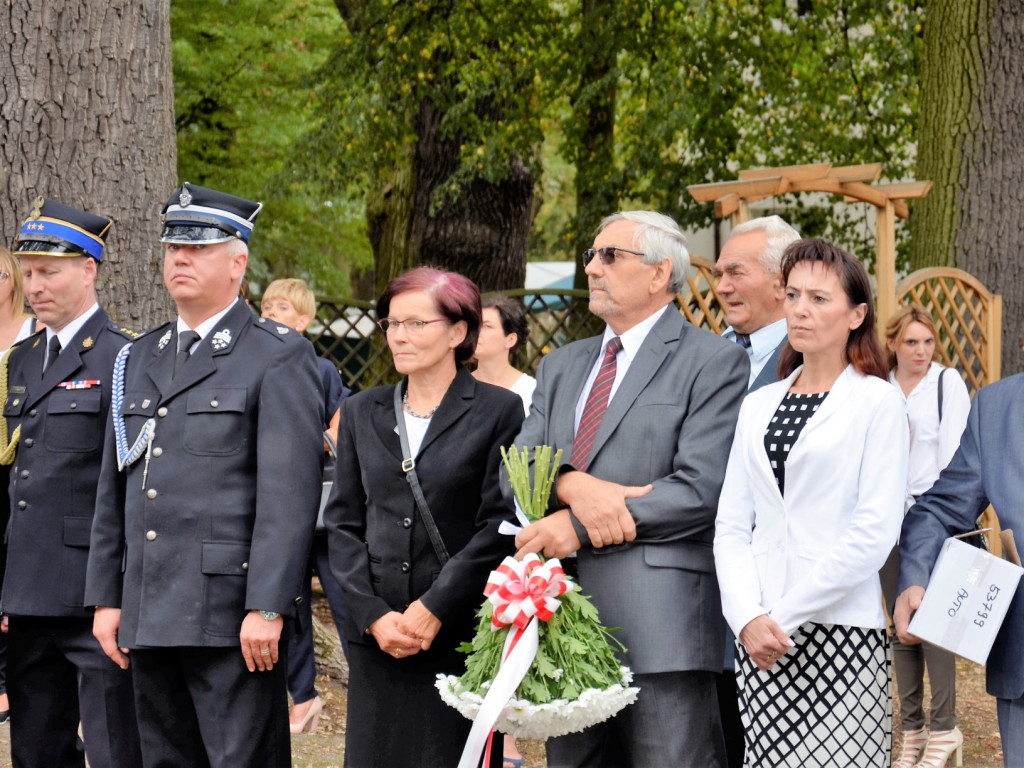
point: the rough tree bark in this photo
(87, 118)
(969, 145)
(483, 234)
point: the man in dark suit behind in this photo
(645, 415)
(749, 285)
(56, 408)
(986, 469)
(207, 502)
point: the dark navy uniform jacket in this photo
(219, 520)
(63, 416)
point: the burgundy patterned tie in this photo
(597, 404)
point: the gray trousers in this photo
(674, 722)
(909, 663)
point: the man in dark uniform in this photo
(56, 408)
(207, 502)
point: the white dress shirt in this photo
(763, 342)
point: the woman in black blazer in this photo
(408, 610)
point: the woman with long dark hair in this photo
(810, 508)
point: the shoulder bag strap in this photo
(409, 467)
(940, 393)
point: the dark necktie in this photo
(597, 404)
(52, 352)
(185, 342)
(743, 339)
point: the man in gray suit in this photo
(645, 415)
(749, 285)
(984, 470)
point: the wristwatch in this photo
(270, 615)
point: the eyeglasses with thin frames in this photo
(606, 254)
(411, 326)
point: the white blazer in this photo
(814, 554)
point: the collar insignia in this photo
(145, 403)
(221, 339)
(87, 342)
(281, 330)
(164, 340)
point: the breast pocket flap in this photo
(75, 401)
(216, 400)
(225, 558)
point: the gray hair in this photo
(779, 236)
(659, 238)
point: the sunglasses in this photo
(606, 254)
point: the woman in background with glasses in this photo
(413, 600)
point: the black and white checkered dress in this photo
(827, 701)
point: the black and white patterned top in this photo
(784, 429)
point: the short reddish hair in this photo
(456, 296)
(863, 350)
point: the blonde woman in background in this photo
(15, 325)
(937, 407)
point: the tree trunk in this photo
(970, 139)
(87, 119)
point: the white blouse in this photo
(933, 443)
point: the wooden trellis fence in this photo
(968, 317)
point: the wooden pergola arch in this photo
(855, 183)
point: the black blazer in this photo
(224, 520)
(63, 415)
(380, 551)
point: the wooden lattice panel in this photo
(700, 303)
(968, 318)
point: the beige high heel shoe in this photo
(942, 744)
(914, 743)
(309, 721)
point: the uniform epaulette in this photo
(276, 329)
(160, 329)
(120, 330)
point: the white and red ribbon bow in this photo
(522, 589)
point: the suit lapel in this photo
(660, 342)
(203, 361)
(383, 419)
(769, 373)
(454, 405)
(70, 358)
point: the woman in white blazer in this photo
(811, 506)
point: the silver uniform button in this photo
(158, 451)
(245, 566)
(150, 535)
(161, 411)
(151, 493)
(214, 403)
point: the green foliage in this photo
(575, 653)
(243, 99)
(480, 65)
(699, 90)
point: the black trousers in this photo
(58, 675)
(201, 708)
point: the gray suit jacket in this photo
(769, 374)
(986, 469)
(670, 423)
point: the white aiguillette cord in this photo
(516, 662)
